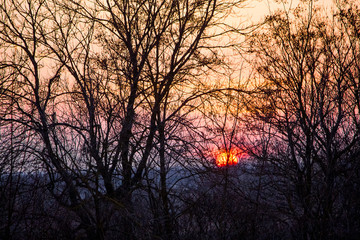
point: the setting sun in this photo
(225, 157)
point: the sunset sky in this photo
(256, 10)
(179, 119)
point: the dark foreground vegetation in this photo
(111, 114)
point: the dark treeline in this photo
(112, 112)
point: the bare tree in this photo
(308, 104)
(92, 88)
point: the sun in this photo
(226, 157)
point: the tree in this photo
(93, 86)
(306, 105)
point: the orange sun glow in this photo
(226, 157)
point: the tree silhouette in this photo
(93, 88)
(306, 106)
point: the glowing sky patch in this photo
(226, 158)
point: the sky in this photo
(256, 10)
(253, 12)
